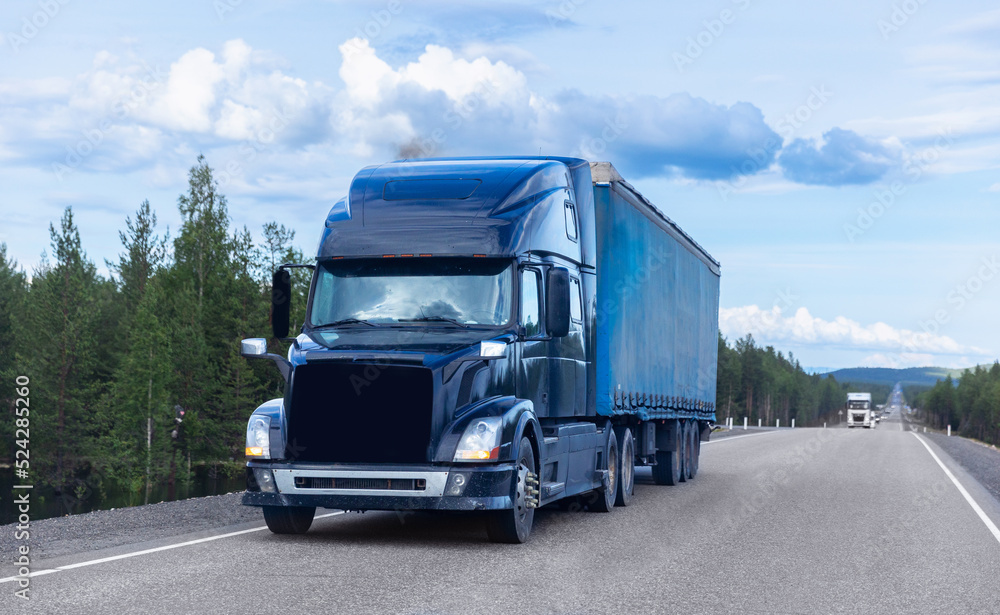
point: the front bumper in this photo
(485, 488)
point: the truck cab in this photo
(859, 410)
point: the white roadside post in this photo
(758, 422)
(744, 423)
(949, 431)
(793, 423)
(777, 423)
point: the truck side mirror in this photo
(281, 299)
(557, 302)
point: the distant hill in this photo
(919, 376)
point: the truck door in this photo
(552, 371)
(532, 370)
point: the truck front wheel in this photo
(513, 525)
(289, 519)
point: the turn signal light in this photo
(255, 451)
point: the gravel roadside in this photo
(111, 528)
(979, 460)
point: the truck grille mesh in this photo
(359, 413)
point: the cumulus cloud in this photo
(124, 113)
(444, 104)
(678, 134)
(773, 326)
(844, 157)
(441, 103)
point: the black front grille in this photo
(395, 484)
(360, 413)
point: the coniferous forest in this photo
(972, 407)
(114, 362)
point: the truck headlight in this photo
(259, 437)
(481, 440)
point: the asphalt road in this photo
(786, 521)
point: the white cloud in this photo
(773, 326)
(190, 94)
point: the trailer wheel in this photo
(289, 519)
(696, 455)
(690, 431)
(513, 525)
(606, 495)
(667, 470)
(626, 466)
(685, 444)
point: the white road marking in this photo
(102, 560)
(968, 498)
(749, 435)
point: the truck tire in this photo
(685, 444)
(603, 498)
(696, 454)
(513, 525)
(667, 470)
(289, 519)
(626, 466)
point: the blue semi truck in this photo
(491, 335)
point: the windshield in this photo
(858, 405)
(460, 291)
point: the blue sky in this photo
(840, 161)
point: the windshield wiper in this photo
(435, 319)
(346, 321)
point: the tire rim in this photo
(522, 493)
(611, 492)
(628, 466)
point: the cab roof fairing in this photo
(517, 207)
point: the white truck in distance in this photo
(859, 410)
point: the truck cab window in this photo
(530, 304)
(575, 301)
(570, 210)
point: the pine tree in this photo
(13, 293)
(63, 306)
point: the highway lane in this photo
(787, 521)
